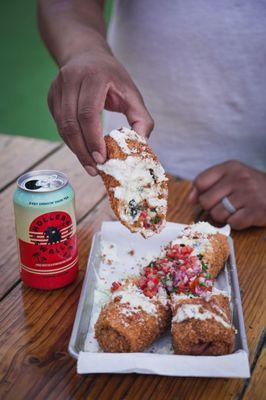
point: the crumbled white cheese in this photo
(133, 296)
(124, 134)
(162, 296)
(202, 227)
(128, 311)
(136, 182)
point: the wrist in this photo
(92, 43)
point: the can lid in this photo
(42, 181)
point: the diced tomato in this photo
(148, 271)
(150, 292)
(142, 282)
(156, 280)
(181, 288)
(193, 284)
(163, 260)
(115, 286)
(172, 254)
(143, 214)
(146, 224)
(165, 269)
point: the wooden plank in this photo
(256, 387)
(34, 359)
(18, 154)
(88, 192)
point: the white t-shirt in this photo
(201, 68)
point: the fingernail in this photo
(192, 195)
(91, 170)
(98, 157)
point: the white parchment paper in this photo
(123, 254)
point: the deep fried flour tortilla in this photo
(135, 181)
(202, 326)
(210, 244)
(130, 322)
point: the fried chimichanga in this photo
(202, 325)
(131, 321)
(208, 243)
(135, 181)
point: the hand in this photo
(85, 85)
(245, 188)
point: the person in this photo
(201, 68)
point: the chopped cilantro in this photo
(204, 266)
(156, 219)
(202, 284)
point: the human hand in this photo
(245, 188)
(84, 86)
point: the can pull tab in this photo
(51, 182)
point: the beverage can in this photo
(46, 229)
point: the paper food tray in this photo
(155, 360)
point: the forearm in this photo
(71, 27)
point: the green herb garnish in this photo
(204, 266)
(155, 220)
(202, 284)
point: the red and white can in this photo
(46, 229)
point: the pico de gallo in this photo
(178, 272)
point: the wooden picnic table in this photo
(36, 325)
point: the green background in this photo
(26, 72)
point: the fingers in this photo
(215, 194)
(219, 212)
(193, 196)
(241, 184)
(70, 129)
(241, 219)
(137, 114)
(209, 177)
(90, 106)
(62, 101)
(77, 102)
(54, 100)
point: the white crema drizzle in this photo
(192, 311)
(176, 298)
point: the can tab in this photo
(50, 182)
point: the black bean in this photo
(152, 174)
(132, 203)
